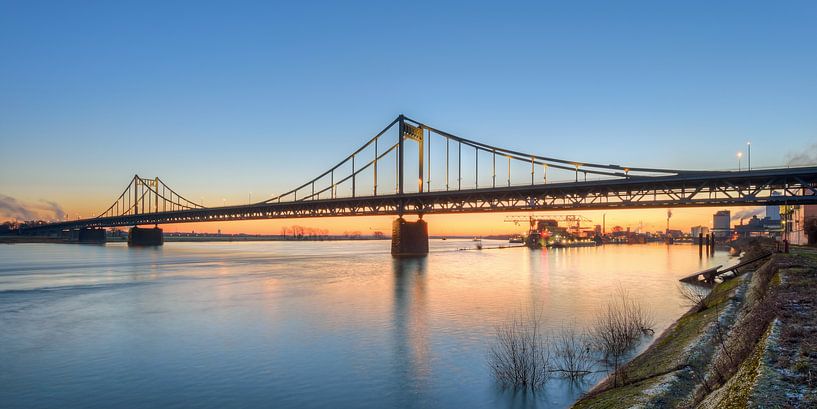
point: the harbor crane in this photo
(573, 220)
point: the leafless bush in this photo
(574, 357)
(520, 356)
(694, 295)
(619, 327)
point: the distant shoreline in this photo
(14, 239)
(180, 239)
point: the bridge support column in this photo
(94, 236)
(139, 236)
(409, 239)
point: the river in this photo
(299, 324)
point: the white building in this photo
(773, 211)
(696, 230)
(721, 224)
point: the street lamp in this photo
(740, 155)
(749, 155)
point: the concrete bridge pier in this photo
(409, 239)
(140, 236)
(91, 236)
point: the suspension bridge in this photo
(412, 168)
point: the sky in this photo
(221, 99)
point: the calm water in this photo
(297, 325)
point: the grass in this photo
(669, 353)
(736, 392)
(779, 371)
(620, 397)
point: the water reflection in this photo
(411, 325)
(291, 324)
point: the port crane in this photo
(573, 220)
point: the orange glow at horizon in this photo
(647, 220)
(469, 224)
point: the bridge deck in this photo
(792, 185)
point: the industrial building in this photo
(800, 224)
(721, 224)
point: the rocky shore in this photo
(751, 342)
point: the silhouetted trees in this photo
(301, 232)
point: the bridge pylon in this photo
(142, 237)
(409, 239)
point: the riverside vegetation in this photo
(526, 356)
(749, 342)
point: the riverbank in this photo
(32, 239)
(750, 342)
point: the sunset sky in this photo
(221, 100)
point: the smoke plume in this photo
(11, 208)
(55, 208)
(748, 213)
(807, 156)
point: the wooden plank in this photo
(706, 273)
(745, 263)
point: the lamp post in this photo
(749, 155)
(740, 155)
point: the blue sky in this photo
(221, 99)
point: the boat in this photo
(516, 239)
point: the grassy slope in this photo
(672, 351)
(781, 370)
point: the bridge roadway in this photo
(727, 188)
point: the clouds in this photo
(11, 208)
(807, 156)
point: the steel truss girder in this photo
(794, 186)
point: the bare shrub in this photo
(520, 356)
(574, 357)
(619, 327)
(694, 295)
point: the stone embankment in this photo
(751, 342)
